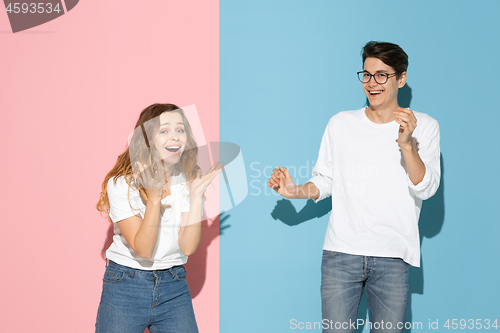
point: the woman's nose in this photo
(174, 136)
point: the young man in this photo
(378, 166)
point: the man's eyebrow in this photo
(377, 72)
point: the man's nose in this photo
(372, 82)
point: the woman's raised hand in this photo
(151, 180)
(200, 183)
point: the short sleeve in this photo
(119, 203)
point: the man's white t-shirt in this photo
(375, 206)
(167, 252)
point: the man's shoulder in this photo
(426, 125)
(346, 115)
(424, 118)
(425, 122)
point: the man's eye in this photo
(366, 75)
(380, 76)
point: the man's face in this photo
(380, 95)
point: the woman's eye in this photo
(163, 132)
(181, 131)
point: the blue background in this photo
(286, 67)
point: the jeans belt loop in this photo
(131, 273)
(174, 274)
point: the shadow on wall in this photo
(197, 263)
(404, 96)
(286, 212)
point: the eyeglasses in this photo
(380, 78)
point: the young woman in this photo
(153, 195)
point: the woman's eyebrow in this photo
(179, 123)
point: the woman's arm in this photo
(141, 234)
(190, 231)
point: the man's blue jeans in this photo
(133, 299)
(343, 277)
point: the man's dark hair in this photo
(389, 53)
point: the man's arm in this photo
(422, 165)
(282, 182)
(414, 165)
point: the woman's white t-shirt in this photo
(167, 252)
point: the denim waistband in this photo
(113, 264)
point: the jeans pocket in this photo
(113, 275)
(179, 273)
(329, 254)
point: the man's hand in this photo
(407, 124)
(282, 182)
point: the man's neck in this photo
(381, 114)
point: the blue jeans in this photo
(343, 277)
(133, 299)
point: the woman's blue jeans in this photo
(133, 299)
(343, 277)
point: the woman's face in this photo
(171, 138)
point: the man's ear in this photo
(402, 80)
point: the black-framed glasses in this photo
(380, 78)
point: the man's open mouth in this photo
(375, 92)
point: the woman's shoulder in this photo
(118, 185)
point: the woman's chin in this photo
(171, 159)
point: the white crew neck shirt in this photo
(167, 252)
(375, 206)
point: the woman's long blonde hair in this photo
(123, 167)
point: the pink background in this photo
(71, 92)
